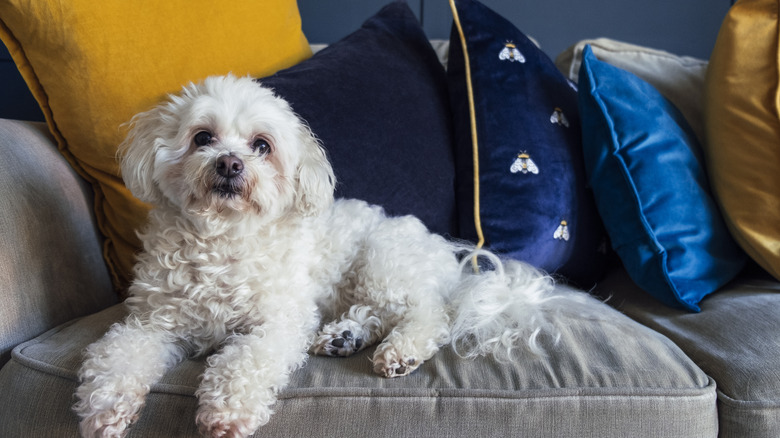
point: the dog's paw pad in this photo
(339, 345)
(399, 368)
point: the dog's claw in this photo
(397, 369)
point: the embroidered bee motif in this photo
(511, 53)
(524, 164)
(562, 232)
(559, 118)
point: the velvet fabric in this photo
(521, 181)
(91, 69)
(742, 121)
(646, 169)
(378, 102)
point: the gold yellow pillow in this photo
(742, 145)
(93, 65)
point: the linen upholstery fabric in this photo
(678, 78)
(92, 68)
(733, 339)
(521, 183)
(593, 383)
(378, 102)
(646, 170)
(743, 129)
(51, 268)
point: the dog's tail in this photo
(512, 306)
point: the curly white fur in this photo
(246, 253)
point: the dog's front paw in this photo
(227, 424)
(108, 424)
(388, 362)
(107, 413)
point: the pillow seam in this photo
(473, 126)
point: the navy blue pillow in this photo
(378, 101)
(520, 175)
(647, 171)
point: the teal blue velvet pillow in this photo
(520, 177)
(647, 173)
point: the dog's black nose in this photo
(229, 166)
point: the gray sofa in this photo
(641, 370)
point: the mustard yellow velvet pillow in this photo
(742, 146)
(93, 65)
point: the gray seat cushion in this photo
(609, 377)
(735, 340)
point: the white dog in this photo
(246, 254)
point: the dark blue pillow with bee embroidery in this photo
(520, 178)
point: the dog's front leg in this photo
(117, 373)
(241, 381)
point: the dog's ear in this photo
(315, 182)
(137, 154)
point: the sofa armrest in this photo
(51, 265)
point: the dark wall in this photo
(684, 27)
(16, 102)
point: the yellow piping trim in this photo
(473, 123)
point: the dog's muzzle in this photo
(229, 169)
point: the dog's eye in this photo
(261, 146)
(202, 138)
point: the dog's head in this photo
(223, 146)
